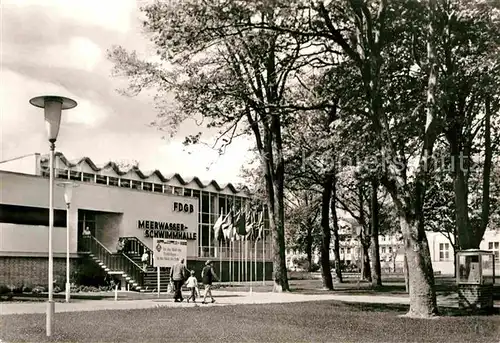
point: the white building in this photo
(130, 204)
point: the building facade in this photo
(113, 203)
(392, 252)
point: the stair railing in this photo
(132, 269)
(134, 244)
(113, 261)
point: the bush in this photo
(57, 289)
(16, 289)
(314, 267)
(4, 289)
(27, 289)
(38, 289)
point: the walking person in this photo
(192, 285)
(177, 273)
(208, 276)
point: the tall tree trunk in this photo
(309, 237)
(309, 244)
(488, 156)
(336, 237)
(279, 260)
(367, 275)
(376, 270)
(325, 232)
(364, 238)
(465, 235)
(421, 275)
(274, 178)
(406, 273)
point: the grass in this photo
(312, 321)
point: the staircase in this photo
(134, 249)
(115, 263)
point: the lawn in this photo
(326, 321)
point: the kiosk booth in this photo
(475, 279)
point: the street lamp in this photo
(68, 194)
(52, 105)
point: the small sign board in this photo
(167, 252)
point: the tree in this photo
(374, 37)
(352, 198)
(301, 223)
(234, 77)
(311, 167)
(467, 42)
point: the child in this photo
(192, 284)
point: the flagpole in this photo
(251, 272)
(263, 256)
(230, 264)
(239, 260)
(220, 259)
(255, 259)
(246, 261)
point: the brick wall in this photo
(31, 271)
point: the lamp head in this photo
(53, 105)
(68, 191)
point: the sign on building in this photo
(167, 252)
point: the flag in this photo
(260, 227)
(228, 227)
(240, 224)
(250, 224)
(219, 235)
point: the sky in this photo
(59, 47)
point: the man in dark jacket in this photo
(177, 276)
(208, 276)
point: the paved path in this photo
(223, 298)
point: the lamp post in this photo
(52, 105)
(68, 194)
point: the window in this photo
(45, 171)
(113, 181)
(75, 175)
(205, 217)
(444, 251)
(125, 183)
(342, 251)
(196, 194)
(101, 179)
(383, 250)
(167, 189)
(25, 215)
(178, 191)
(389, 249)
(157, 188)
(205, 202)
(495, 247)
(136, 184)
(61, 173)
(188, 192)
(348, 250)
(147, 186)
(223, 203)
(87, 177)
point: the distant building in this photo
(392, 253)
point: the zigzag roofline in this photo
(144, 176)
